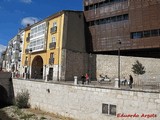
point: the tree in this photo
(138, 68)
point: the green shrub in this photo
(22, 99)
(138, 68)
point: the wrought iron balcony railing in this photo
(28, 39)
(51, 61)
(52, 45)
(26, 51)
(53, 29)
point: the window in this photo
(26, 58)
(51, 59)
(55, 24)
(136, 35)
(105, 108)
(53, 39)
(146, 33)
(51, 55)
(109, 20)
(119, 18)
(113, 19)
(112, 109)
(154, 33)
(125, 17)
(86, 8)
(108, 109)
(37, 40)
(102, 21)
(102, 4)
(96, 22)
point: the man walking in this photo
(130, 81)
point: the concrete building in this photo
(129, 28)
(12, 55)
(54, 48)
(135, 23)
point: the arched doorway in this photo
(4, 97)
(37, 68)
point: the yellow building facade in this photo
(48, 43)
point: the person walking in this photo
(83, 79)
(87, 78)
(130, 81)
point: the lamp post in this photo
(29, 74)
(119, 43)
(90, 66)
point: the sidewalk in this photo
(105, 84)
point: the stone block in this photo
(119, 96)
(154, 95)
(157, 101)
(151, 106)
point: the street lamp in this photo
(90, 66)
(119, 43)
(29, 74)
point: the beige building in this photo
(54, 48)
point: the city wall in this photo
(108, 65)
(85, 102)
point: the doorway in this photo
(37, 68)
(50, 76)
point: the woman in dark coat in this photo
(130, 81)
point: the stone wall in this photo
(74, 64)
(108, 65)
(6, 87)
(85, 103)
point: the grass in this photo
(14, 113)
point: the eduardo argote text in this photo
(122, 115)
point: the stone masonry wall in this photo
(6, 83)
(85, 103)
(108, 65)
(74, 64)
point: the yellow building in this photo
(54, 48)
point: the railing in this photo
(26, 51)
(28, 39)
(148, 85)
(51, 61)
(52, 45)
(53, 29)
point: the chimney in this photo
(28, 25)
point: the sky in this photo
(15, 14)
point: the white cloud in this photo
(26, 1)
(29, 20)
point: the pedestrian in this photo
(87, 78)
(130, 81)
(83, 79)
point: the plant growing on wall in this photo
(22, 99)
(138, 68)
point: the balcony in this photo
(51, 61)
(52, 45)
(28, 39)
(19, 59)
(26, 51)
(53, 29)
(21, 40)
